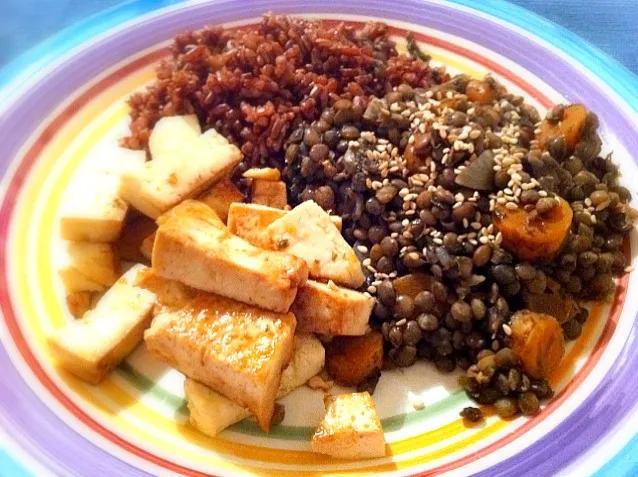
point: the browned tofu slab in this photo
(220, 196)
(249, 221)
(193, 247)
(272, 194)
(329, 309)
(235, 349)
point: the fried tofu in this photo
(249, 221)
(220, 196)
(267, 192)
(350, 429)
(331, 310)
(308, 233)
(192, 248)
(170, 295)
(211, 413)
(78, 303)
(92, 209)
(87, 266)
(263, 173)
(136, 231)
(235, 349)
(95, 344)
(146, 248)
(180, 174)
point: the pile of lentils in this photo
(417, 176)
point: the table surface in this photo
(611, 25)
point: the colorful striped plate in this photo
(63, 105)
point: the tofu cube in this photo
(78, 303)
(263, 173)
(195, 248)
(249, 221)
(87, 266)
(220, 197)
(92, 346)
(308, 233)
(183, 173)
(92, 209)
(235, 349)
(331, 310)
(350, 429)
(211, 413)
(272, 194)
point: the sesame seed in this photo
(511, 206)
(372, 289)
(507, 329)
(438, 241)
(362, 248)
(401, 322)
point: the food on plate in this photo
(269, 193)
(565, 127)
(351, 359)
(210, 412)
(88, 266)
(129, 246)
(249, 221)
(92, 209)
(78, 303)
(194, 247)
(329, 309)
(221, 196)
(92, 346)
(350, 429)
(537, 233)
(263, 173)
(235, 349)
(178, 173)
(170, 295)
(308, 233)
(537, 340)
(440, 218)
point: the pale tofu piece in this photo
(308, 233)
(87, 266)
(332, 310)
(263, 173)
(135, 232)
(235, 349)
(272, 194)
(170, 134)
(350, 429)
(92, 209)
(249, 221)
(78, 303)
(95, 344)
(211, 413)
(192, 247)
(164, 182)
(221, 196)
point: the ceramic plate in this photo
(62, 106)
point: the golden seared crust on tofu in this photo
(146, 248)
(350, 429)
(307, 232)
(135, 231)
(249, 221)
(195, 209)
(267, 192)
(87, 266)
(188, 170)
(92, 209)
(191, 249)
(235, 349)
(210, 412)
(93, 345)
(263, 173)
(331, 310)
(220, 196)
